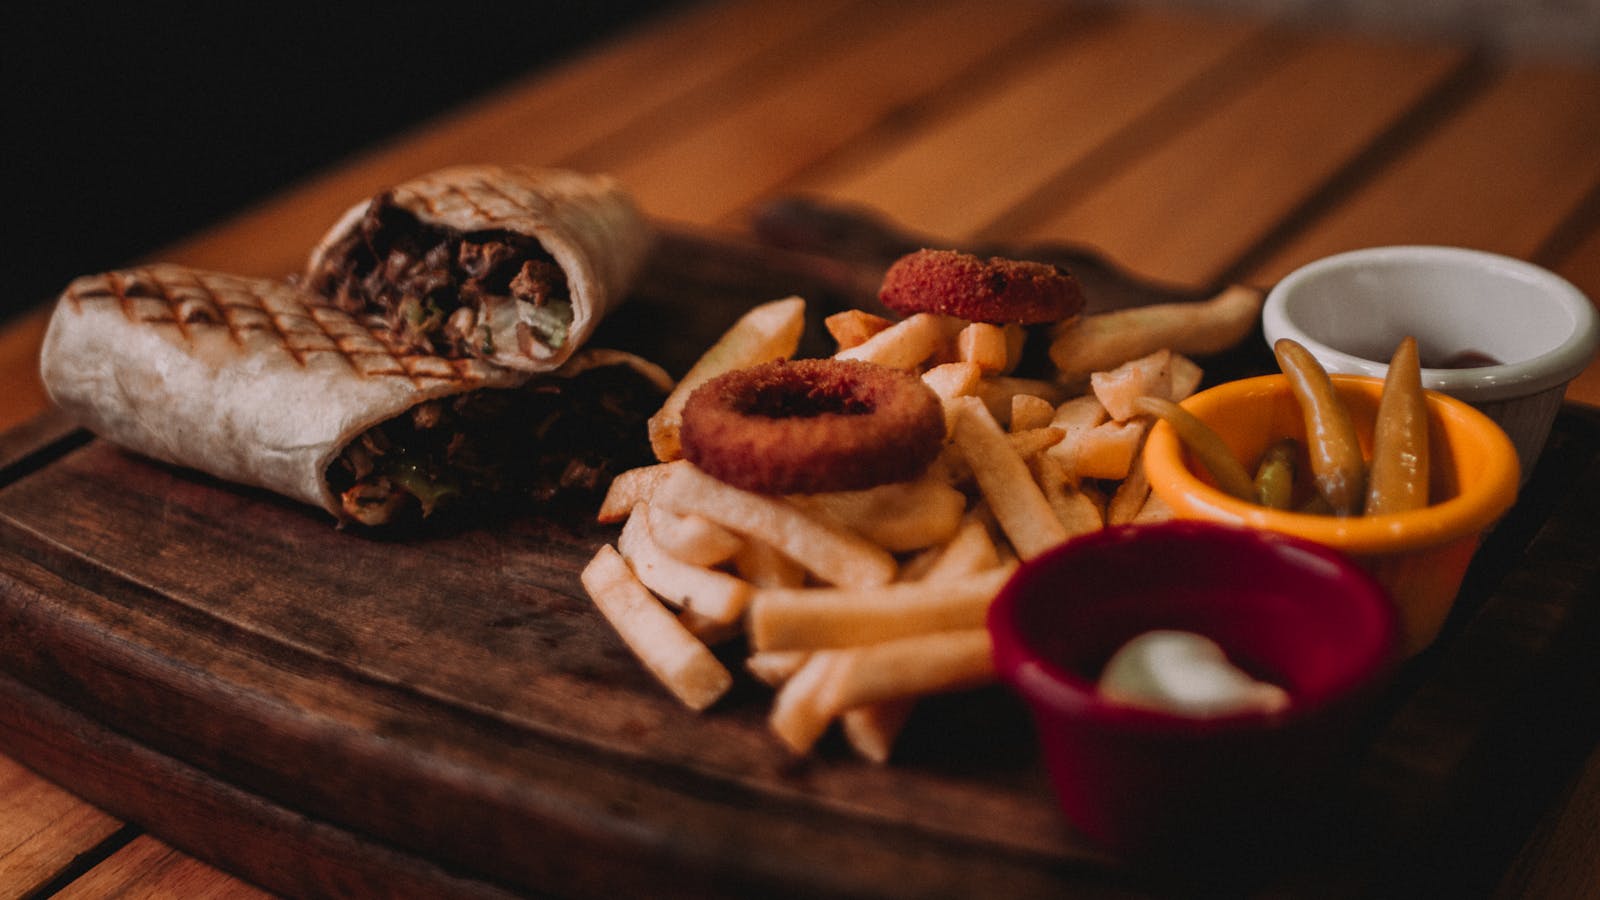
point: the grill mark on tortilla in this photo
(369, 352)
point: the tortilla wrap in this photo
(252, 381)
(587, 225)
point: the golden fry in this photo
(852, 327)
(907, 667)
(1003, 478)
(680, 662)
(713, 594)
(898, 517)
(903, 345)
(767, 332)
(1106, 340)
(984, 345)
(693, 539)
(818, 618)
(631, 488)
(871, 730)
(1029, 411)
(761, 564)
(827, 551)
(797, 718)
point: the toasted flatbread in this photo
(254, 381)
(535, 257)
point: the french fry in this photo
(903, 345)
(971, 550)
(1030, 411)
(774, 667)
(852, 327)
(1154, 510)
(1105, 340)
(1129, 497)
(630, 488)
(759, 563)
(767, 332)
(797, 718)
(830, 553)
(953, 379)
(680, 662)
(983, 345)
(1016, 340)
(906, 667)
(1077, 510)
(1004, 480)
(1186, 376)
(1034, 441)
(1108, 450)
(871, 730)
(899, 517)
(713, 594)
(707, 630)
(1075, 418)
(818, 618)
(997, 391)
(695, 540)
(1147, 376)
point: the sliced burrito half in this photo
(514, 265)
(262, 383)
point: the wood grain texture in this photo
(1500, 174)
(881, 59)
(42, 828)
(1188, 208)
(1042, 125)
(1190, 147)
(447, 699)
(149, 868)
(19, 368)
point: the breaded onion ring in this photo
(998, 291)
(812, 425)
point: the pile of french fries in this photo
(852, 605)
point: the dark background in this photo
(130, 125)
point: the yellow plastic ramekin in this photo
(1420, 556)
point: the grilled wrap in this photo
(263, 383)
(514, 265)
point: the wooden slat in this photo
(19, 368)
(542, 119)
(1187, 209)
(1038, 126)
(42, 828)
(1499, 175)
(888, 57)
(149, 868)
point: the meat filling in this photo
(544, 442)
(447, 292)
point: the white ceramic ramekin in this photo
(1350, 310)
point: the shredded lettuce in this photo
(550, 322)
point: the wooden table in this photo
(1186, 149)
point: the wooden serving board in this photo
(327, 713)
